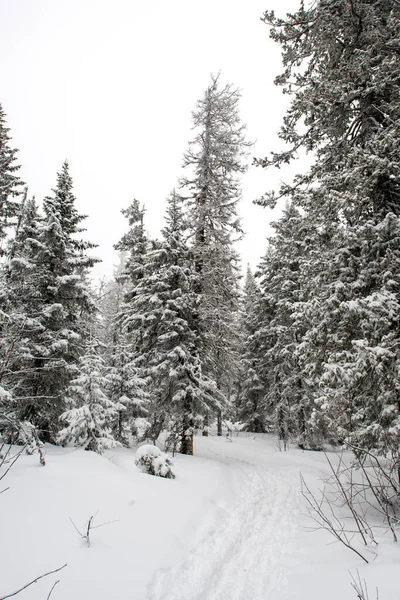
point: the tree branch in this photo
(34, 581)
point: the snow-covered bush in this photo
(152, 460)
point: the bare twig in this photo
(76, 529)
(360, 587)
(102, 524)
(89, 527)
(331, 524)
(382, 481)
(32, 582)
(12, 461)
(51, 591)
(360, 522)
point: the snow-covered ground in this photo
(232, 526)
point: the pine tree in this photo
(10, 183)
(215, 161)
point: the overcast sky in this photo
(111, 84)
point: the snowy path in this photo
(241, 551)
(231, 526)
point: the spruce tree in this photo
(126, 382)
(284, 280)
(123, 385)
(251, 397)
(10, 183)
(91, 414)
(58, 305)
(163, 310)
(22, 307)
(11, 321)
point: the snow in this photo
(150, 459)
(232, 526)
(4, 393)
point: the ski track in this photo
(242, 551)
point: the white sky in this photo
(110, 85)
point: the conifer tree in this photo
(215, 161)
(124, 387)
(163, 313)
(91, 414)
(58, 302)
(251, 401)
(126, 382)
(10, 183)
(284, 278)
(22, 305)
(11, 323)
(342, 69)
(135, 244)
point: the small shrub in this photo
(151, 460)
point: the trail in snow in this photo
(242, 551)
(232, 526)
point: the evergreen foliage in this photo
(215, 161)
(162, 314)
(251, 395)
(49, 300)
(126, 383)
(10, 183)
(151, 460)
(91, 414)
(342, 69)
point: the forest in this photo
(307, 347)
(242, 378)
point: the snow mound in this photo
(152, 460)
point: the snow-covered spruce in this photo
(10, 183)
(45, 295)
(91, 415)
(159, 322)
(151, 460)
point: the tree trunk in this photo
(187, 427)
(186, 436)
(206, 425)
(219, 422)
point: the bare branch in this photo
(32, 582)
(360, 587)
(51, 591)
(76, 529)
(320, 517)
(89, 527)
(13, 460)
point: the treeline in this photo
(309, 349)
